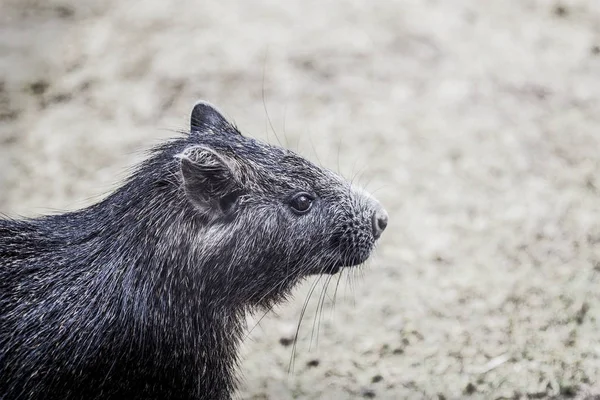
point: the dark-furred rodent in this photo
(144, 294)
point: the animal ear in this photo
(205, 115)
(210, 179)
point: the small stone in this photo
(470, 388)
(581, 313)
(367, 393)
(561, 11)
(376, 378)
(39, 87)
(64, 11)
(313, 363)
(287, 334)
(568, 390)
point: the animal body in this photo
(144, 295)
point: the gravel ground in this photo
(474, 122)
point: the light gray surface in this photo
(475, 123)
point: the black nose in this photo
(380, 221)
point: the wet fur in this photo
(144, 295)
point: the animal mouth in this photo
(343, 262)
(330, 269)
(354, 259)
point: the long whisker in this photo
(264, 102)
(319, 304)
(312, 288)
(337, 284)
(322, 305)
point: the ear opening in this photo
(229, 202)
(210, 180)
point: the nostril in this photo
(380, 221)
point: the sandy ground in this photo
(476, 123)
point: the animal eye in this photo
(301, 202)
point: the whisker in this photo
(337, 284)
(322, 305)
(264, 102)
(312, 288)
(319, 306)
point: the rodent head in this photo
(272, 215)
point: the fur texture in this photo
(144, 295)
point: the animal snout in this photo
(380, 221)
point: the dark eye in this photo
(301, 202)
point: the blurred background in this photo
(476, 124)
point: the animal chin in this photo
(330, 269)
(342, 262)
(354, 260)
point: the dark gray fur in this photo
(144, 294)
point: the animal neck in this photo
(172, 306)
